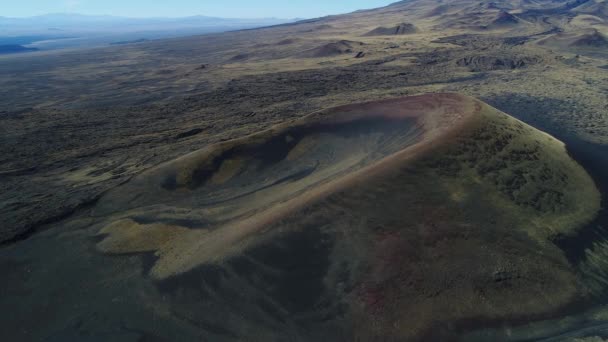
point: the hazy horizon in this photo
(76, 14)
(241, 9)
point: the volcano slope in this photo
(161, 99)
(399, 219)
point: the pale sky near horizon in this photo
(181, 8)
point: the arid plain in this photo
(430, 170)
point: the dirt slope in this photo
(583, 39)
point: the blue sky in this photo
(177, 8)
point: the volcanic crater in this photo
(371, 211)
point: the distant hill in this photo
(583, 39)
(49, 32)
(124, 42)
(400, 29)
(24, 40)
(14, 48)
(68, 22)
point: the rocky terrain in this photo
(82, 131)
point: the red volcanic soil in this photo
(413, 124)
(385, 220)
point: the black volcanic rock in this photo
(331, 49)
(400, 29)
(489, 63)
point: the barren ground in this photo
(74, 126)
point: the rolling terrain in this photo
(382, 175)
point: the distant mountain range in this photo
(13, 48)
(68, 22)
(68, 30)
